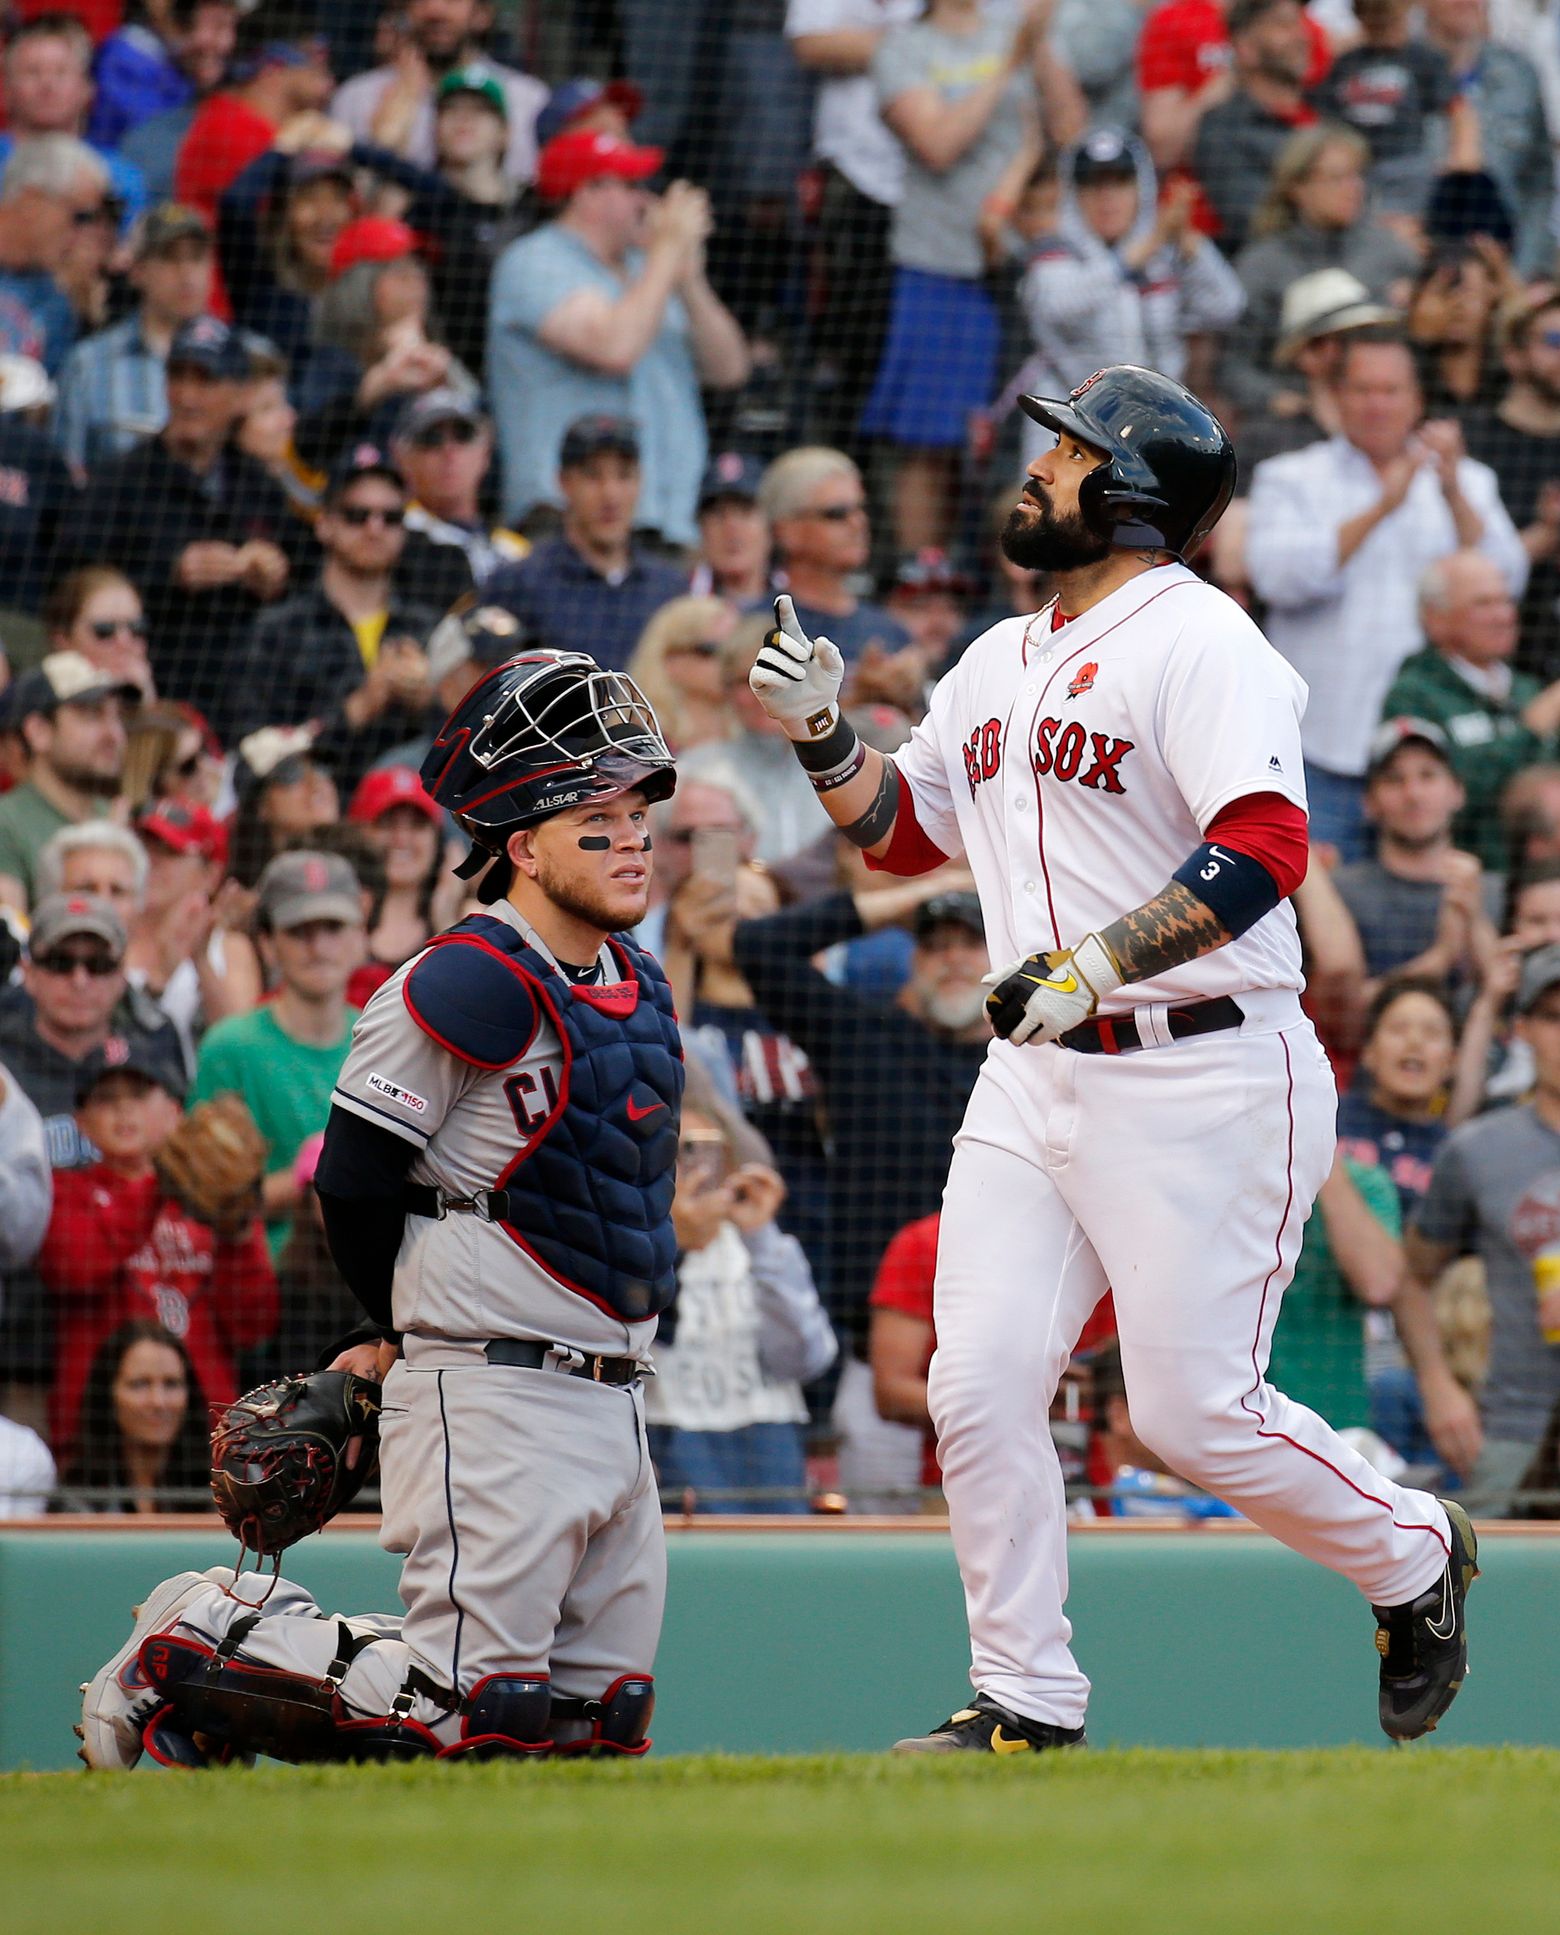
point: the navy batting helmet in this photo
(1170, 466)
(540, 733)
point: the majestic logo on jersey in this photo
(1069, 751)
(1082, 680)
(983, 753)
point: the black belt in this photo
(522, 1355)
(422, 1199)
(1120, 1034)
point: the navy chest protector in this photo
(589, 1196)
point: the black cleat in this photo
(1424, 1644)
(985, 1728)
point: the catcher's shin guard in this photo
(233, 1706)
(617, 1723)
(504, 1713)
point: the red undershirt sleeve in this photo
(1269, 829)
(909, 849)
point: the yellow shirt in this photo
(370, 633)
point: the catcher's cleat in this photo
(117, 1702)
(1424, 1644)
(983, 1727)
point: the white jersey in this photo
(1078, 768)
(463, 1277)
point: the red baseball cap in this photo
(371, 238)
(391, 786)
(572, 159)
(185, 826)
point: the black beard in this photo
(98, 786)
(1049, 542)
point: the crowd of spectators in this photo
(344, 351)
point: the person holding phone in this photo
(725, 1412)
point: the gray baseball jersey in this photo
(463, 1277)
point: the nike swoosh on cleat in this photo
(1006, 1743)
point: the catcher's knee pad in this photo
(223, 1705)
(617, 1723)
(504, 1713)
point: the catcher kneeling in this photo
(496, 1183)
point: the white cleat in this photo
(117, 1702)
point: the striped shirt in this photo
(112, 395)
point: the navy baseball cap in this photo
(587, 437)
(443, 405)
(122, 1056)
(362, 459)
(1104, 155)
(732, 474)
(930, 569)
(208, 344)
(949, 910)
(570, 100)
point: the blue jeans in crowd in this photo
(718, 1467)
(1337, 808)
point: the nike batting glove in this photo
(1041, 998)
(797, 679)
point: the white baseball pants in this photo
(1179, 1177)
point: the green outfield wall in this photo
(841, 1638)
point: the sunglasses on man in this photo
(68, 961)
(358, 515)
(437, 435)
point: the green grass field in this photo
(1352, 1842)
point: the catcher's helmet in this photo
(540, 733)
(1170, 469)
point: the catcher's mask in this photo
(278, 1457)
(542, 732)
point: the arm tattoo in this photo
(1165, 932)
(878, 820)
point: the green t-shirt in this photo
(1319, 1345)
(27, 821)
(285, 1084)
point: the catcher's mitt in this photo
(213, 1163)
(278, 1456)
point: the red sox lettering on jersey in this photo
(1063, 747)
(1077, 767)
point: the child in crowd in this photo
(725, 1409)
(119, 1246)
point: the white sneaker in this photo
(117, 1701)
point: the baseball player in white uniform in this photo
(496, 1183)
(1123, 775)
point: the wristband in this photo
(821, 758)
(842, 776)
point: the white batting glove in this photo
(797, 679)
(1042, 997)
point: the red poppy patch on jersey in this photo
(1082, 679)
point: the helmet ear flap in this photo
(497, 881)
